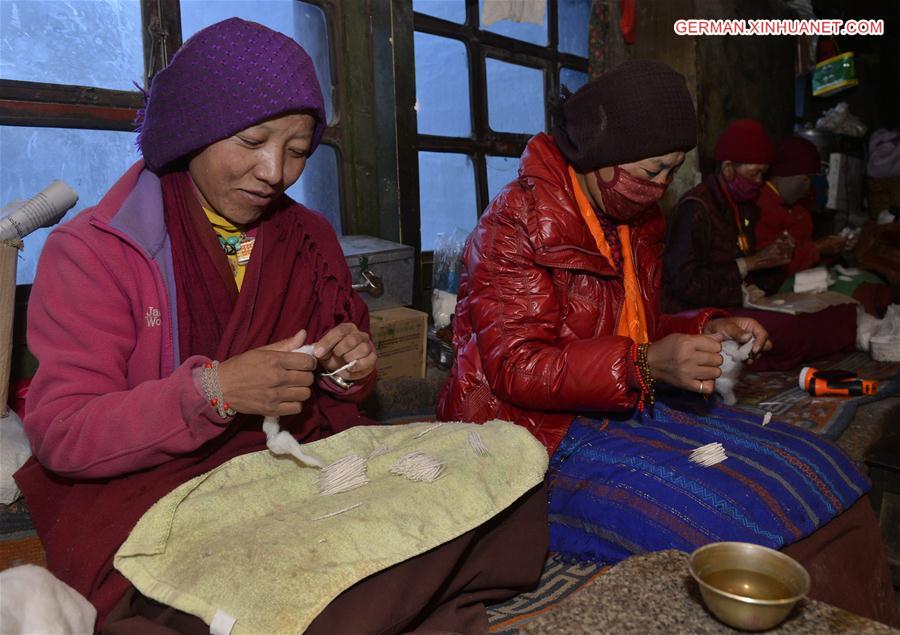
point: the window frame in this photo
(373, 132)
(484, 141)
(42, 104)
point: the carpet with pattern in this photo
(780, 394)
(559, 581)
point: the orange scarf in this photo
(632, 319)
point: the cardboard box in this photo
(399, 335)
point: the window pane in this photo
(574, 17)
(452, 10)
(84, 42)
(446, 195)
(442, 86)
(89, 161)
(527, 31)
(572, 79)
(302, 21)
(319, 186)
(515, 97)
(500, 172)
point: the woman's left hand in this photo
(343, 344)
(741, 329)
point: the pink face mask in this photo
(628, 199)
(743, 189)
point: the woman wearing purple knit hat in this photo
(166, 318)
(558, 328)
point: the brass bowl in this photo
(747, 586)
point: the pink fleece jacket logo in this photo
(152, 316)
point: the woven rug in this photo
(19, 543)
(559, 581)
(780, 394)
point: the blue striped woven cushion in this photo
(625, 487)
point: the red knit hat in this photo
(795, 155)
(744, 141)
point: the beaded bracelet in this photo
(209, 378)
(644, 376)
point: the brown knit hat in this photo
(637, 110)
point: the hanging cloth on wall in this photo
(533, 11)
(628, 20)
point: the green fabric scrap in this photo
(847, 287)
(244, 538)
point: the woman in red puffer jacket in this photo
(537, 330)
(558, 329)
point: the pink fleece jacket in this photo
(104, 292)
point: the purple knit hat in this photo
(227, 77)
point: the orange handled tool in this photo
(842, 383)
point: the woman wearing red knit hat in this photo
(712, 252)
(784, 206)
(710, 247)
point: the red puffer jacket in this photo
(538, 307)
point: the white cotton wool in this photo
(733, 357)
(14, 451)
(33, 600)
(280, 442)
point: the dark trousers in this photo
(441, 591)
(848, 565)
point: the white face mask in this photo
(792, 188)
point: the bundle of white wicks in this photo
(708, 454)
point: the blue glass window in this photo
(452, 10)
(83, 42)
(500, 172)
(515, 97)
(88, 161)
(526, 31)
(319, 186)
(446, 195)
(442, 86)
(572, 79)
(574, 20)
(301, 21)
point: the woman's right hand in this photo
(831, 245)
(690, 362)
(777, 254)
(269, 381)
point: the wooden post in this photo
(9, 252)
